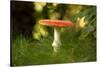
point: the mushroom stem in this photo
(56, 42)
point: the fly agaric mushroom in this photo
(57, 24)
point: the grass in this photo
(26, 51)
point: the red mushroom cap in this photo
(56, 23)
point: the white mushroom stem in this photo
(56, 42)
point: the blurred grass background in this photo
(31, 42)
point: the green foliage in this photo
(25, 51)
(90, 14)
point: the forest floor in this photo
(26, 51)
